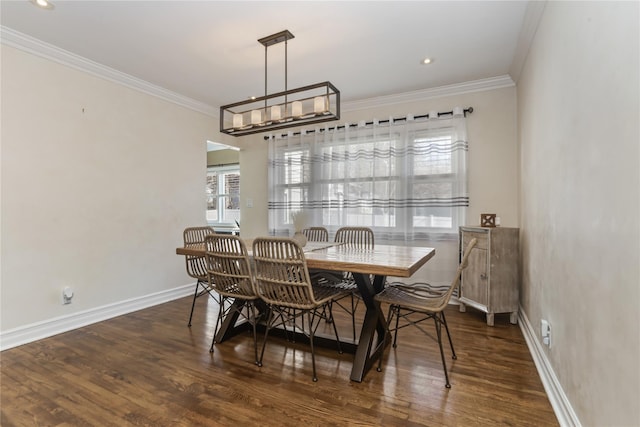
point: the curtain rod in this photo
(422, 116)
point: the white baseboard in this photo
(36, 331)
(561, 405)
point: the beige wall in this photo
(493, 166)
(98, 182)
(578, 126)
(493, 155)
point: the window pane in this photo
(393, 179)
(212, 191)
(231, 213)
(295, 170)
(432, 156)
(223, 195)
(431, 199)
(232, 188)
(294, 196)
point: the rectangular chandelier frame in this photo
(306, 105)
(315, 103)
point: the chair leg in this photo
(254, 320)
(313, 353)
(294, 325)
(390, 315)
(446, 327)
(266, 334)
(444, 363)
(324, 312)
(335, 329)
(193, 304)
(353, 317)
(218, 322)
(396, 311)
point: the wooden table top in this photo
(386, 260)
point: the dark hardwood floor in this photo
(149, 369)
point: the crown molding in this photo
(37, 47)
(15, 39)
(436, 92)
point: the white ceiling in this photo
(208, 50)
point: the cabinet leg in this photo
(462, 308)
(513, 318)
(490, 319)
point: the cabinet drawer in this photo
(481, 236)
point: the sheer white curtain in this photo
(406, 179)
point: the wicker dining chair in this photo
(229, 272)
(421, 300)
(320, 234)
(360, 237)
(283, 282)
(357, 238)
(316, 234)
(196, 265)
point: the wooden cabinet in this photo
(491, 281)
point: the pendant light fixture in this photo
(315, 103)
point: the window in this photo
(223, 194)
(405, 181)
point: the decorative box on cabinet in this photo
(491, 281)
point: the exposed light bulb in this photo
(426, 61)
(256, 117)
(320, 104)
(237, 120)
(296, 108)
(275, 112)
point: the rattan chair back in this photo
(196, 265)
(229, 267)
(316, 234)
(361, 237)
(282, 277)
(421, 296)
(440, 303)
(455, 284)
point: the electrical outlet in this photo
(67, 295)
(545, 332)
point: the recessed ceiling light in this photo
(426, 61)
(43, 4)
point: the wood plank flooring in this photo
(149, 369)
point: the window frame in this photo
(403, 179)
(221, 195)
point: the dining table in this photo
(370, 268)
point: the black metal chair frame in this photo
(405, 301)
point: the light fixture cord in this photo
(285, 74)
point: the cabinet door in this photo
(475, 283)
